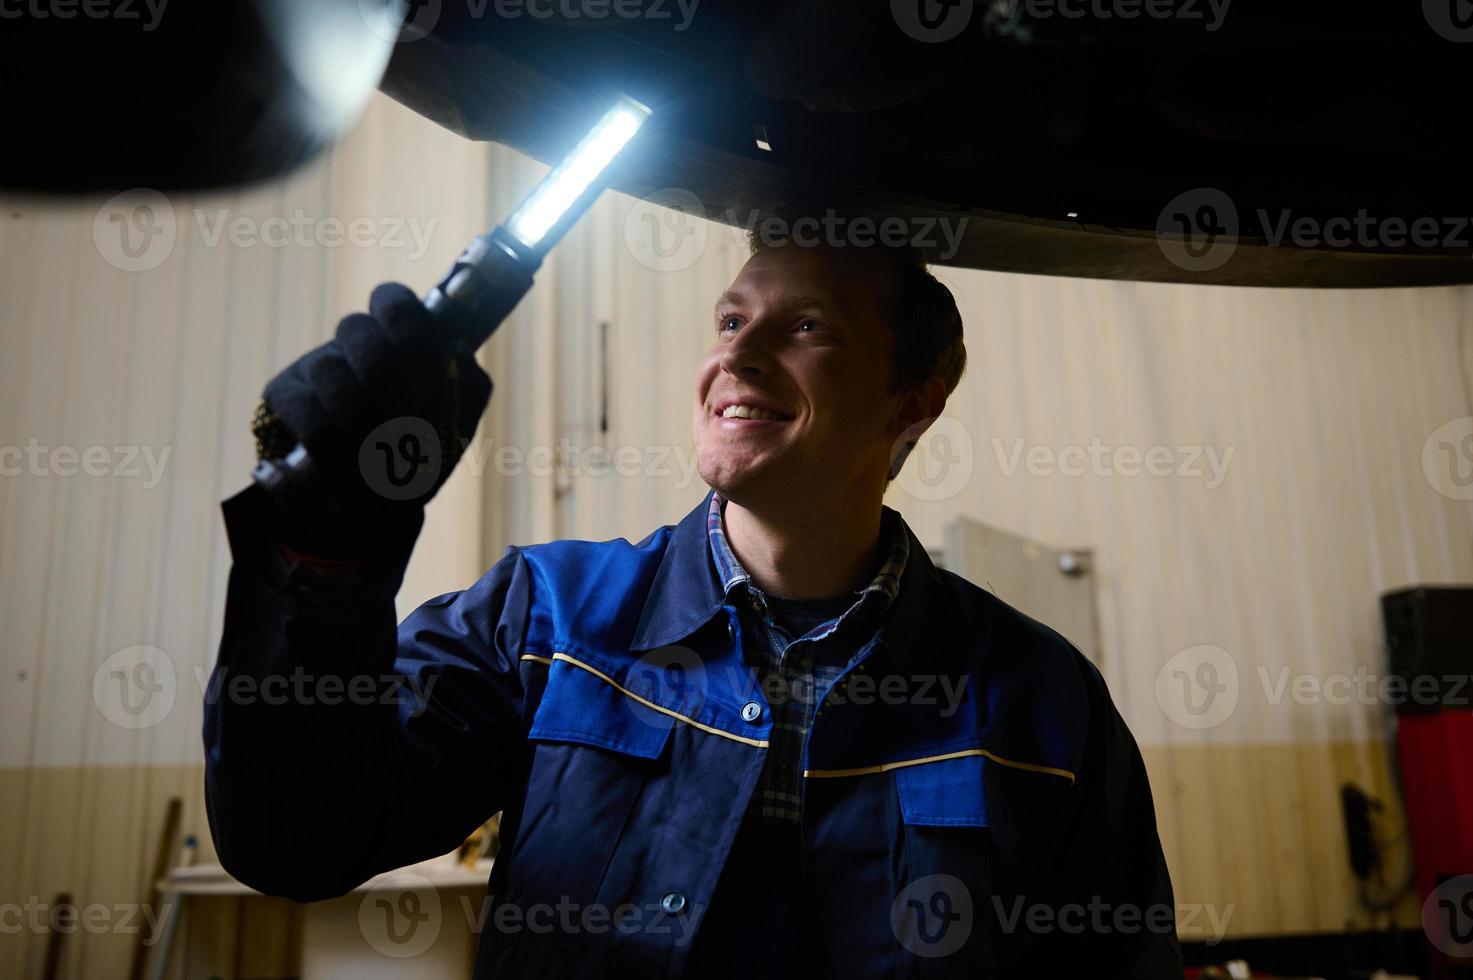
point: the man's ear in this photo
(916, 410)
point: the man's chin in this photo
(739, 479)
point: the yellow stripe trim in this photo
(887, 766)
(755, 742)
(762, 743)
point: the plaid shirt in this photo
(793, 670)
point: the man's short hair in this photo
(923, 316)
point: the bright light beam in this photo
(541, 210)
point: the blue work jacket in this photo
(596, 694)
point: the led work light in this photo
(492, 275)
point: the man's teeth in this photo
(748, 412)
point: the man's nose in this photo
(750, 351)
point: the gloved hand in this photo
(385, 409)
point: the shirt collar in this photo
(686, 592)
(730, 573)
(729, 570)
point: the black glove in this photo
(385, 410)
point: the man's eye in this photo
(808, 326)
(729, 323)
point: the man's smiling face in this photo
(794, 395)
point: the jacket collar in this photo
(686, 593)
(911, 630)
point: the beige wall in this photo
(1326, 400)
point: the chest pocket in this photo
(941, 914)
(1019, 805)
(583, 705)
(593, 749)
(947, 793)
(978, 832)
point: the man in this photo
(772, 740)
